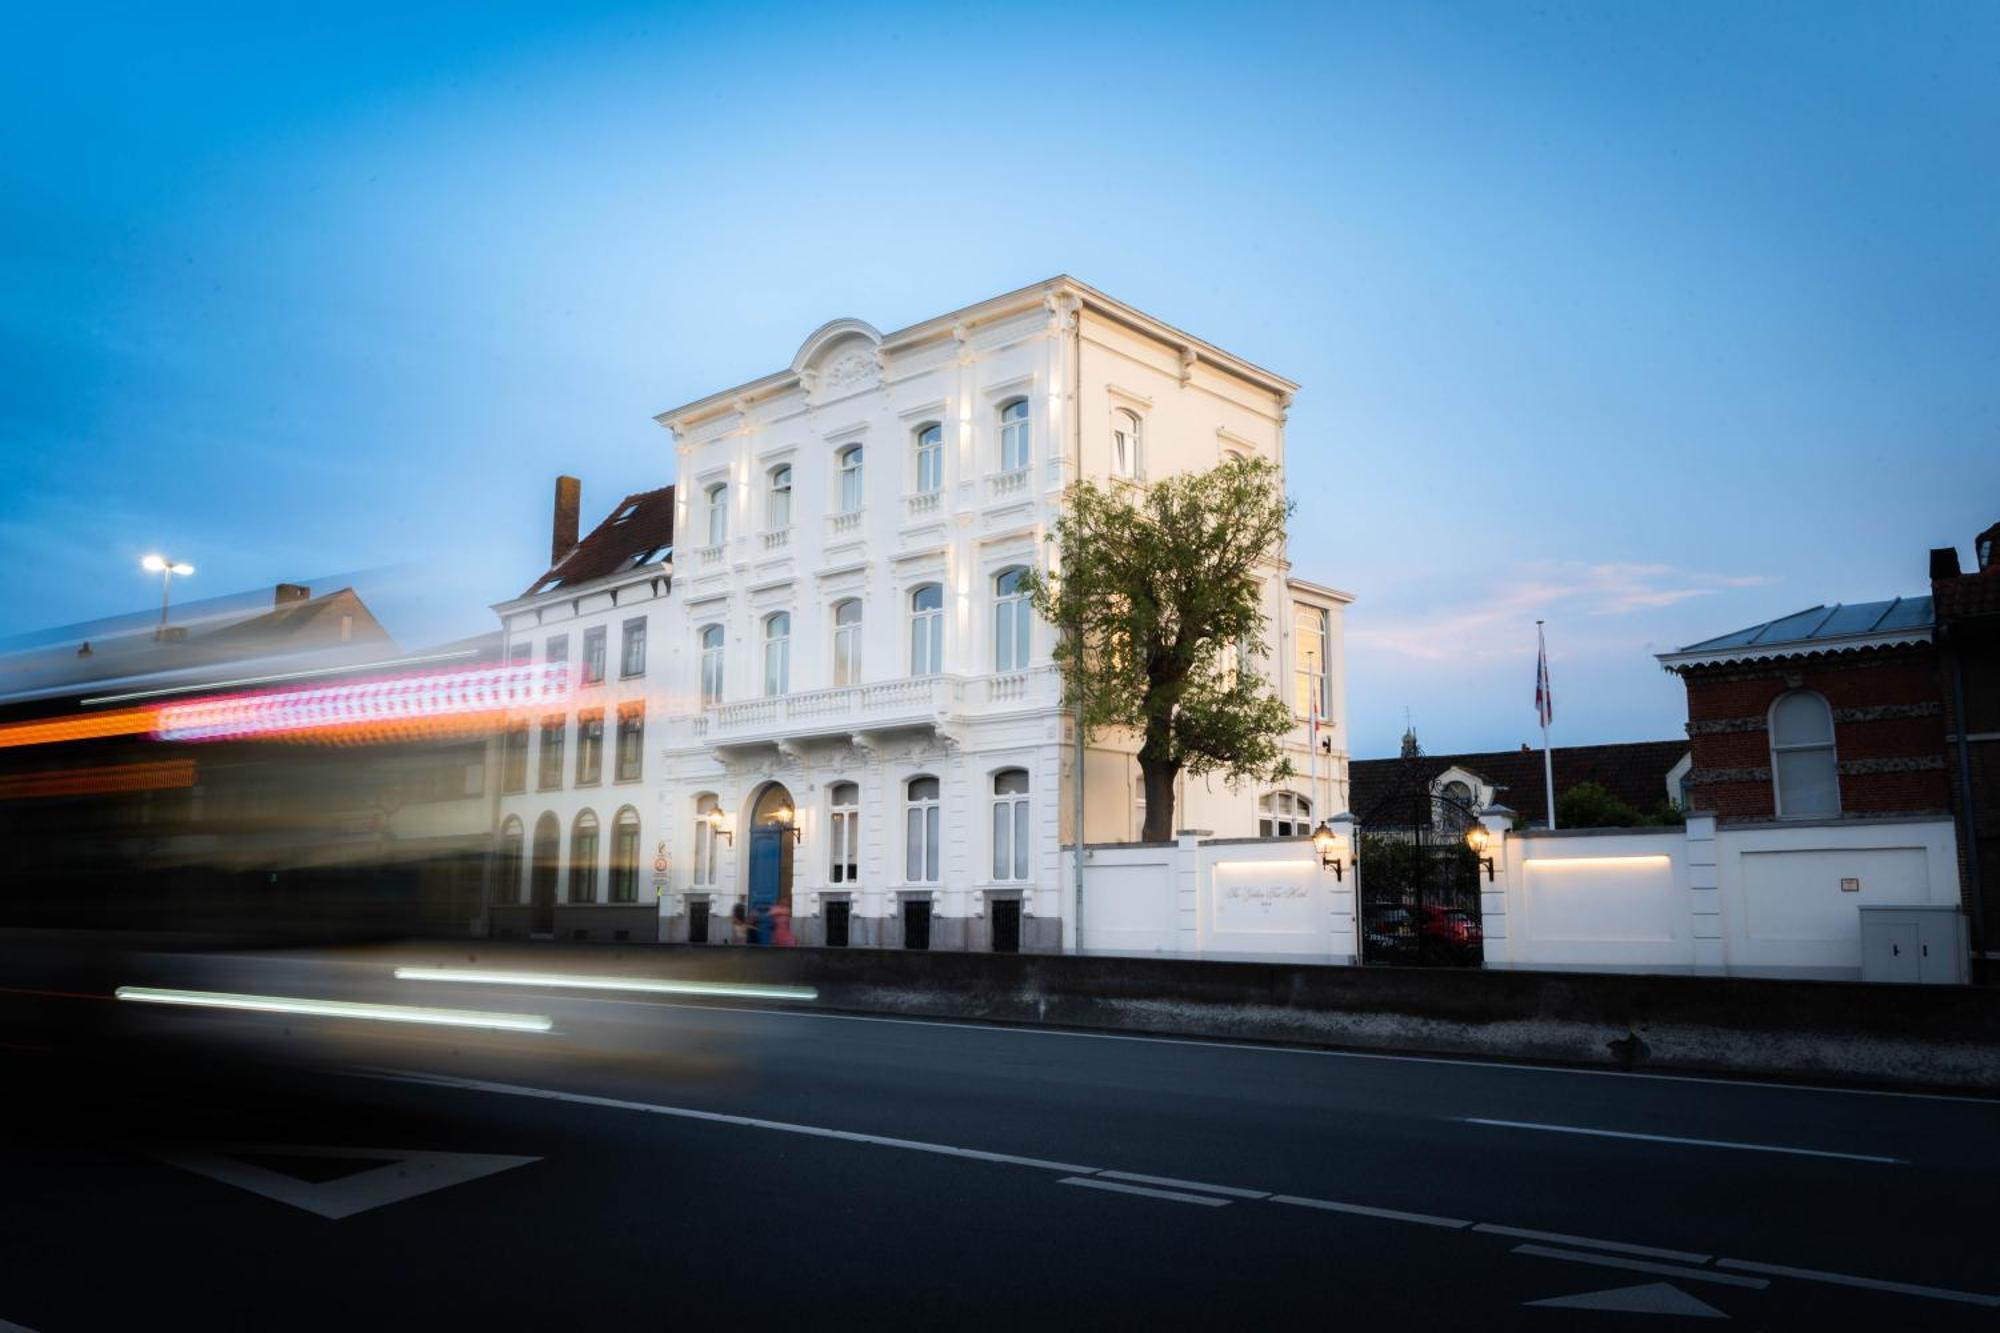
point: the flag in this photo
(1545, 701)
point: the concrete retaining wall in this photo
(1922, 1036)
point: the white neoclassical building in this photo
(841, 703)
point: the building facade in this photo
(851, 713)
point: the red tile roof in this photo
(638, 531)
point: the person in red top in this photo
(781, 927)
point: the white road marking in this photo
(403, 1175)
(1326, 1205)
(1280, 1048)
(566, 981)
(6, 1327)
(1362, 1210)
(1177, 1196)
(751, 1122)
(1642, 1266)
(380, 1013)
(1171, 1183)
(1649, 1298)
(1672, 1138)
(1872, 1284)
(1621, 1247)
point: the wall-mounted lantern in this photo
(787, 820)
(1477, 839)
(1325, 840)
(714, 818)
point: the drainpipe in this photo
(1076, 453)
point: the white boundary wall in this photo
(1262, 900)
(1736, 900)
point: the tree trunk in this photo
(1159, 775)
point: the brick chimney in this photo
(569, 500)
(292, 592)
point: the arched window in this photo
(548, 858)
(1010, 824)
(930, 458)
(1128, 445)
(707, 809)
(1014, 443)
(507, 863)
(1457, 791)
(625, 856)
(847, 642)
(711, 665)
(778, 502)
(848, 461)
(1013, 621)
(1284, 814)
(920, 831)
(843, 800)
(583, 859)
(1803, 766)
(718, 514)
(777, 653)
(927, 630)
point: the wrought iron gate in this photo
(1418, 881)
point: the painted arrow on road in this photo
(338, 1182)
(1647, 1298)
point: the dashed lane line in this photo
(1171, 1183)
(1618, 1246)
(1675, 1138)
(1177, 1196)
(1642, 1266)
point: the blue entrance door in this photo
(766, 853)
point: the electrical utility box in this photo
(1915, 945)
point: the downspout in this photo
(1076, 453)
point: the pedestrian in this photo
(781, 927)
(739, 924)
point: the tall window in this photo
(1128, 445)
(777, 653)
(593, 656)
(1010, 824)
(514, 759)
(778, 504)
(553, 731)
(711, 665)
(718, 515)
(556, 653)
(702, 873)
(631, 740)
(1013, 621)
(507, 863)
(927, 630)
(847, 642)
(625, 857)
(1803, 767)
(583, 859)
(1309, 679)
(920, 831)
(589, 746)
(633, 659)
(1284, 814)
(930, 458)
(844, 857)
(849, 467)
(1014, 451)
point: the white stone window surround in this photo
(922, 828)
(1804, 756)
(1011, 829)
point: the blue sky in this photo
(1651, 320)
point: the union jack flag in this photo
(1545, 700)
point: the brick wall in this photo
(1888, 726)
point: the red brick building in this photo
(1968, 641)
(1830, 713)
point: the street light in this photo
(1324, 841)
(1477, 838)
(166, 569)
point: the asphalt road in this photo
(652, 1162)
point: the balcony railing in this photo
(1005, 485)
(709, 556)
(777, 539)
(889, 705)
(842, 525)
(922, 504)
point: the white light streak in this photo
(381, 1013)
(648, 985)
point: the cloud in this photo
(1490, 625)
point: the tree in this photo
(1591, 805)
(1158, 600)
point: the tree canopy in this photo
(1159, 601)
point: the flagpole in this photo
(1548, 755)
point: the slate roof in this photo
(638, 531)
(1633, 771)
(1820, 629)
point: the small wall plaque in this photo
(1850, 886)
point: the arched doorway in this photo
(773, 823)
(542, 881)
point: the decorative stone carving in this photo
(850, 371)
